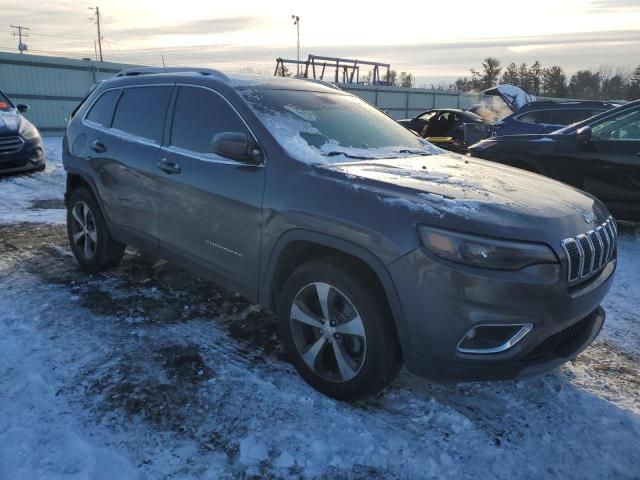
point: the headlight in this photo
(484, 252)
(28, 130)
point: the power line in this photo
(20, 33)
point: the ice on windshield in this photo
(317, 127)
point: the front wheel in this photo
(89, 237)
(338, 331)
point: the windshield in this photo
(332, 127)
(5, 104)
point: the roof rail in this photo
(132, 72)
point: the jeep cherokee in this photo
(375, 248)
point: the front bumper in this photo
(29, 157)
(442, 301)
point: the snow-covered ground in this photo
(149, 372)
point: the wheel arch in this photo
(78, 179)
(298, 246)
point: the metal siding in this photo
(58, 84)
(51, 86)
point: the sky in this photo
(436, 41)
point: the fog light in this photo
(493, 338)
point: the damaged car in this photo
(375, 248)
(21, 147)
(447, 128)
(529, 115)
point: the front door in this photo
(211, 207)
(612, 159)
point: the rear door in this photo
(127, 174)
(211, 206)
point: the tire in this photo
(369, 349)
(95, 249)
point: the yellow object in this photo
(439, 139)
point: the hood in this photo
(513, 96)
(9, 123)
(457, 192)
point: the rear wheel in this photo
(337, 331)
(89, 237)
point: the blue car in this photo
(528, 115)
(548, 116)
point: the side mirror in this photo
(236, 146)
(22, 107)
(583, 135)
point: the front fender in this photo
(343, 246)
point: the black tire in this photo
(102, 251)
(382, 358)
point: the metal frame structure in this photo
(345, 69)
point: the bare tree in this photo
(633, 89)
(406, 80)
(613, 86)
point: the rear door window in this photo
(198, 115)
(141, 111)
(101, 112)
(567, 117)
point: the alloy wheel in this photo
(83, 230)
(328, 332)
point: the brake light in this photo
(4, 106)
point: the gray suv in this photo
(375, 248)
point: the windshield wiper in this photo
(414, 152)
(336, 153)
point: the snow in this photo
(514, 96)
(148, 372)
(288, 129)
(18, 193)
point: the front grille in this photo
(588, 253)
(10, 145)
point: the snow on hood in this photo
(513, 96)
(453, 185)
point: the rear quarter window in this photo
(101, 112)
(141, 111)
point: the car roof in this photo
(208, 76)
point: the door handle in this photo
(168, 167)
(98, 147)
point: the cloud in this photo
(206, 26)
(610, 6)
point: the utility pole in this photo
(296, 22)
(20, 29)
(97, 22)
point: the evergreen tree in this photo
(554, 82)
(510, 75)
(585, 85)
(489, 75)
